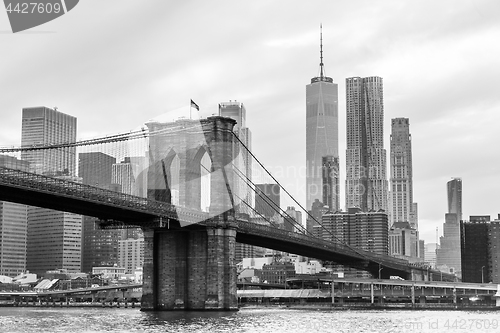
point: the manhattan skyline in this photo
(140, 61)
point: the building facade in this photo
(54, 238)
(13, 227)
(331, 182)
(448, 257)
(99, 246)
(454, 188)
(131, 254)
(366, 175)
(322, 138)
(363, 230)
(267, 199)
(474, 243)
(480, 245)
(449, 253)
(277, 272)
(401, 171)
(315, 215)
(430, 254)
(404, 242)
(243, 161)
(42, 126)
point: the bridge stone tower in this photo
(191, 267)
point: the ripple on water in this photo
(259, 320)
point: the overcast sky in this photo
(115, 64)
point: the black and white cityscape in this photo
(334, 156)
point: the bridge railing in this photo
(265, 230)
(65, 187)
(297, 237)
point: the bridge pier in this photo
(190, 269)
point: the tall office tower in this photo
(448, 254)
(54, 237)
(99, 247)
(454, 187)
(236, 110)
(322, 129)
(43, 126)
(402, 173)
(331, 186)
(366, 178)
(13, 227)
(474, 243)
(267, 199)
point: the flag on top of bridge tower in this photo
(194, 105)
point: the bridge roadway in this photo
(115, 208)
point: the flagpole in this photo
(190, 107)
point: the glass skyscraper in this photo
(454, 188)
(366, 178)
(322, 133)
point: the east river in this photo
(74, 320)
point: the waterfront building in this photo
(110, 272)
(402, 207)
(480, 249)
(13, 227)
(277, 272)
(54, 238)
(366, 176)
(322, 134)
(131, 254)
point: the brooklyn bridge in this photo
(196, 201)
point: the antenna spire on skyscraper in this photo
(321, 51)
